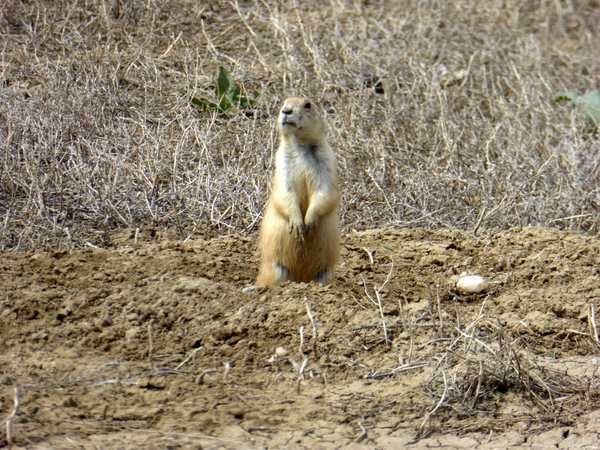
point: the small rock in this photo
(471, 284)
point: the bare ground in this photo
(146, 342)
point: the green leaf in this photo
(247, 102)
(229, 96)
(226, 87)
(203, 103)
(225, 105)
(589, 104)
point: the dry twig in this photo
(189, 358)
(9, 421)
(437, 406)
(313, 322)
(593, 328)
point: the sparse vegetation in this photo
(95, 134)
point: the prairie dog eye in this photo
(307, 106)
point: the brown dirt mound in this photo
(150, 343)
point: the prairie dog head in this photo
(299, 117)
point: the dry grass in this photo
(96, 133)
(478, 369)
(483, 361)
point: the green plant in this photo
(229, 96)
(589, 104)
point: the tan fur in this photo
(299, 236)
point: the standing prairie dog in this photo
(299, 235)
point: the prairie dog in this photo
(299, 235)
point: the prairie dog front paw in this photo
(298, 230)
